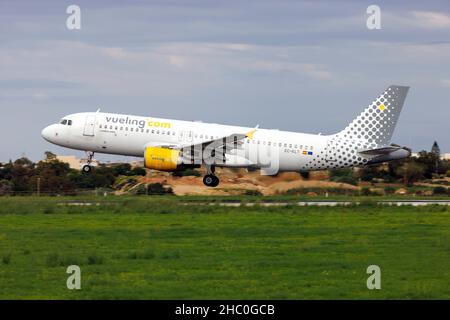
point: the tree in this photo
(436, 151)
(122, 169)
(431, 162)
(21, 171)
(411, 172)
(53, 177)
(6, 187)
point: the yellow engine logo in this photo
(162, 159)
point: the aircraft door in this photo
(89, 125)
(189, 136)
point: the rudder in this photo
(377, 122)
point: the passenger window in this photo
(131, 129)
(148, 130)
(100, 126)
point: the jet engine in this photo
(166, 159)
(162, 159)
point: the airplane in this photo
(172, 145)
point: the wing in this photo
(214, 152)
(232, 141)
(217, 151)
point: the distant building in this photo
(136, 164)
(72, 161)
(444, 156)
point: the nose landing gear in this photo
(210, 180)
(87, 167)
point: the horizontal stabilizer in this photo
(386, 153)
(379, 151)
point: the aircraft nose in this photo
(48, 133)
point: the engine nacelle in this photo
(162, 159)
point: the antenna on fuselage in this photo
(98, 110)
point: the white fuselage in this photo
(129, 135)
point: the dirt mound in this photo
(239, 181)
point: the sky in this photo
(305, 66)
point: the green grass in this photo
(158, 248)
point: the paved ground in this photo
(414, 203)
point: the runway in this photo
(414, 203)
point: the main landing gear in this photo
(210, 180)
(87, 167)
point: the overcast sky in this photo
(304, 66)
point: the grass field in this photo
(163, 248)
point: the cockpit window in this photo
(66, 122)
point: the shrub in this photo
(138, 171)
(320, 191)
(440, 191)
(186, 173)
(153, 189)
(252, 193)
(346, 179)
(389, 190)
(344, 175)
(366, 191)
(305, 174)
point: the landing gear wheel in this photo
(211, 180)
(87, 167)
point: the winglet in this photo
(251, 133)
